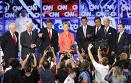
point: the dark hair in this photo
(72, 70)
(29, 63)
(46, 64)
(14, 63)
(84, 18)
(84, 65)
(97, 18)
(48, 21)
(123, 25)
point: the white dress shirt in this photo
(69, 80)
(120, 34)
(84, 30)
(50, 31)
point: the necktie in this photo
(30, 34)
(49, 34)
(14, 39)
(105, 30)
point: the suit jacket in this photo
(10, 49)
(98, 35)
(110, 36)
(46, 41)
(26, 40)
(83, 41)
(123, 42)
(13, 75)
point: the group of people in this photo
(98, 47)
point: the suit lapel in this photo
(28, 35)
(122, 37)
(10, 36)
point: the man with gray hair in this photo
(28, 40)
(9, 44)
(109, 35)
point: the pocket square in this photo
(109, 33)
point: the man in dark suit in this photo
(122, 40)
(98, 28)
(109, 35)
(85, 34)
(9, 44)
(28, 40)
(49, 38)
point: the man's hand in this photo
(33, 45)
(40, 35)
(45, 52)
(27, 55)
(90, 46)
(52, 49)
(61, 56)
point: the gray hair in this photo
(106, 18)
(28, 23)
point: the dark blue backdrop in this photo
(72, 10)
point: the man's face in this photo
(106, 22)
(49, 25)
(120, 28)
(97, 22)
(13, 28)
(84, 22)
(29, 27)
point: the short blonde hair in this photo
(11, 25)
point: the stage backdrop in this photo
(65, 10)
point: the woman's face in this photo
(66, 27)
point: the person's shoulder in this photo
(83, 73)
(68, 80)
(102, 26)
(71, 33)
(22, 33)
(79, 28)
(54, 31)
(89, 26)
(61, 34)
(7, 33)
(44, 29)
(111, 28)
(16, 33)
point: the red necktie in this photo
(14, 39)
(49, 34)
